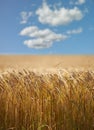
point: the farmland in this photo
(46, 92)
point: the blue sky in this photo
(47, 27)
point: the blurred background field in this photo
(45, 62)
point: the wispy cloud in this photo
(91, 28)
(25, 16)
(33, 4)
(75, 31)
(61, 16)
(40, 39)
(80, 2)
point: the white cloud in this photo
(80, 2)
(41, 38)
(61, 16)
(75, 31)
(25, 16)
(38, 43)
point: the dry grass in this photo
(62, 100)
(45, 61)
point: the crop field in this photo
(52, 97)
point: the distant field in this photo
(45, 62)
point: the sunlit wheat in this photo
(61, 100)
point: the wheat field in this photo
(45, 61)
(47, 99)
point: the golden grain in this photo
(62, 100)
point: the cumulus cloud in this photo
(61, 16)
(25, 16)
(41, 38)
(80, 2)
(75, 31)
